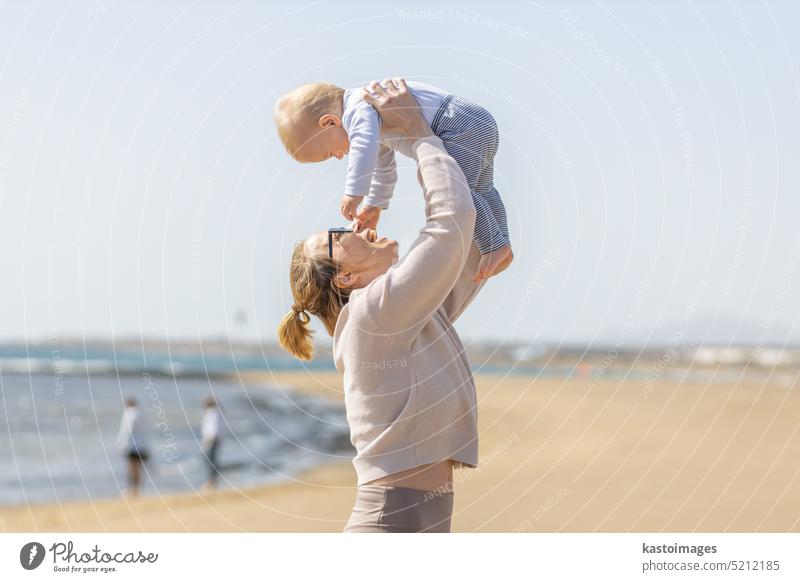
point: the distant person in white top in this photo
(132, 443)
(320, 121)
(211, 431)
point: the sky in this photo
(648, 162)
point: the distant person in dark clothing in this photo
(132, 443)
(211, 431)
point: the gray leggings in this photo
(382, 509)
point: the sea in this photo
(60, 412)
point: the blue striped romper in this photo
(470, 135)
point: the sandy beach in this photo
(576, 455)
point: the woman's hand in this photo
(397, 107)
(367, 218)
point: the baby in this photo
(320, 121)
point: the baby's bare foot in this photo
(493, 263)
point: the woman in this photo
(409, 392)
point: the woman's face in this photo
(362, 256)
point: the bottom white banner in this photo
(498, 557)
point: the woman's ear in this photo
(329, 119)
(345, 280)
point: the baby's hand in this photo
(368, 217)
(349, 206)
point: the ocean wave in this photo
(82, 367)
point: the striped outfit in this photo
(469, 134)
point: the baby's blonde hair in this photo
(298, 111)
(311, 278)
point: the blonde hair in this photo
(315, 291)
(299, 110)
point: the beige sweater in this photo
(409, 392)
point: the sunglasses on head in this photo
(335, 234)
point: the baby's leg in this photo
(492, 196)
(500, 256)
(488, 235)
(485, 188)
(474, 153)
(470, 135)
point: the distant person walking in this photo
(211, 431)
(132, 443)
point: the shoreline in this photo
(572, 455)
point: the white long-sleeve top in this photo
(371, 168)
(132, 434)
(211, 425)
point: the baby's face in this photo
(324, 143)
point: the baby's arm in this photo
(363, 129)
(383, 180)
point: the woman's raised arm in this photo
(411, 291)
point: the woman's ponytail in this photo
(311, 278)
(294, 335)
